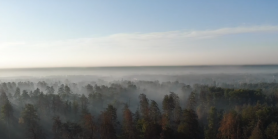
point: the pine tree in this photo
(17, 93)
(107, 129)
(30, 120)
(213, 124)
(155, 115)
(191, 101)
(57, 128)
(89, 126)
(144, 106)
(84, 104)
(128, 126)
(257, 132)
(189, 126)
(3, 98)
(7, 115)
(230, 126)
(272, 130)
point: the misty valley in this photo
(146, 106)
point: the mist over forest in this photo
(144, 69)
(140, 103)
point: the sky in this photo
(94, 33)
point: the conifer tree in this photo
(128, 126)
(30, 120)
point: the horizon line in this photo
(83, 67)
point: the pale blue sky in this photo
(51, 33)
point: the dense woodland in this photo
(138, 110)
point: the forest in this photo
(141, 109)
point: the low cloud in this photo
(140, 40)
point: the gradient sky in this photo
(84, 33)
